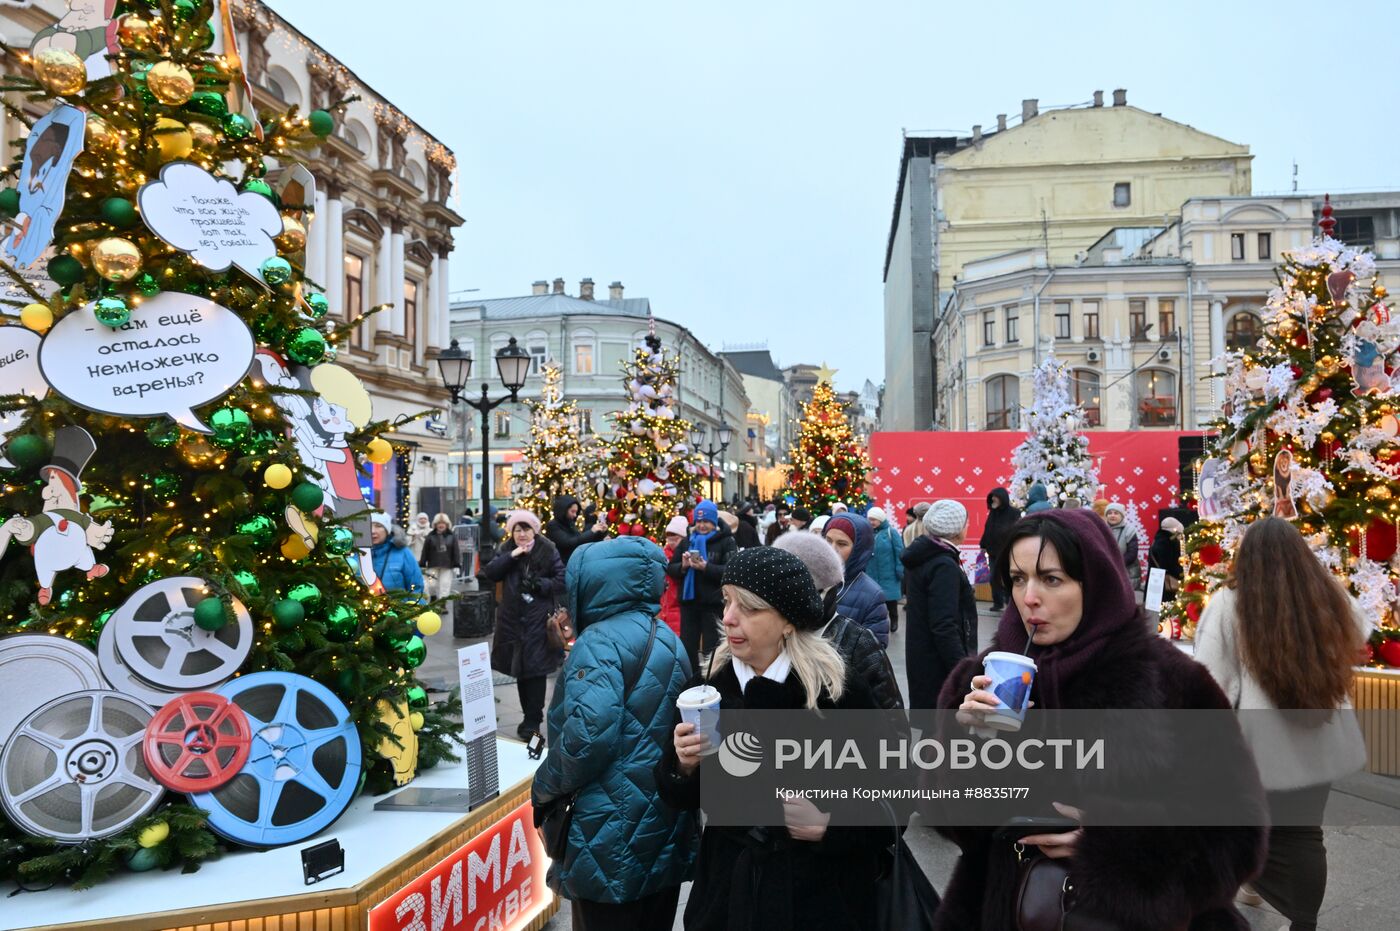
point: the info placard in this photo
(210, 219)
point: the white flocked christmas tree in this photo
(1055, 452)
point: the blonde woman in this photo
(440, 556)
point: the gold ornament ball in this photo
(380, 451)
(134, 31)
(1378, 493)
(292, 239)
(60, 71)
(203, 135)
(1381, 291)
(172, 138)
(198, 451)
(153, 835)
(38, 317)
(98, 133)
(116, 259)
(294, 549)
(277, 476)
(171, 83)
(429, 623)
(415, 720)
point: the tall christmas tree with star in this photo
(203, 653)
(1055, 453)
(828, 461)
(1309, 433)
(558, 460)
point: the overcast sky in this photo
(736, 161)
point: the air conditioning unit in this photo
(1093, 355)
(1164, 355)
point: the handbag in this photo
(557, 630)
(905, 898)
(559, 813)
(1044, 892)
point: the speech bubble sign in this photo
(177, 352)
(19, 374)
(12, 295)
(210, 219)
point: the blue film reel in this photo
(303, 768)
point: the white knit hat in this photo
(946, 518)
(876, 515)
(678, 525)
(819, 523)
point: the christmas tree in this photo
(1309, 433)
(828, 462)
(557, 461)
(652, 473)
(179, 479)
(1054, 453)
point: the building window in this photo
(1090, 313)
(1156, 398)
(501, 481)
(1166, 317)
(1137, 318)
(1086, 395)
(1003, 403)
(1356, 231)
(410, 309)
(1062, 319)
(502, 425)
(583, 352)
(585, 422)
(1122, 194)
(1237, 247)
(1242, 332)
(1013, 319)
(537, 344)
(989, 328)
(1266, 247)
(355, 291)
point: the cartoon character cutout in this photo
(1368, 369)
(1283, 486)
(53, 144)
(88, 30)
(1208, 504)
(62, 537)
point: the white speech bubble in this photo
(177, 352)
(210, 219)
(19, 374)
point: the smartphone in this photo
(1017, 828)
(534, 747)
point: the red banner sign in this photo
(495, 882)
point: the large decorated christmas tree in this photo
(653, 475)
(1309, 433)
(202, 651)
(828, 462)
(1055, 452)
(558, 460)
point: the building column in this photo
(427, 328)
(396, 279)
(316, 241)
(444, 300)
(334, 252)
(383, 274)
(1217, 348)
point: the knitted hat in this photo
(837, 508)
(779, 578)
(945, 518)
(678, 525)
(707, 510)
(818, 525)
(1172, 525)
(921, 509)
(522, 516)
(382, 519)
(842, 523)
(1115, 506)
(802, 514)
(876, 515)
(819, 558)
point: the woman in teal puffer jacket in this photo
(628, 853)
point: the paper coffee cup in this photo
(1012, 676)
(700, 706)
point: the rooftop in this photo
(555, 305)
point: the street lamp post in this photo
(697, 438)
(455, 366)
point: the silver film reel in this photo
(37, 668)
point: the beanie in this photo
(1172, 525)
(1115, 506)
(382, 519)
(818, 525)
(678, 525)
(921, 509)
(876, 515)
(707, 510)
(817, 555)
(522, 516)
(842, 523)
(945, 518)
(802, 514)
(779, 578)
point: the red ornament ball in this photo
(1210, 554)
(1390, 652)
(639, 530)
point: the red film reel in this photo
(196, 742)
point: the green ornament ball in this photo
(308, 496)
(260, 527)
(143, 859)
(65, 270)
(258, 186)
(231, 425)
(322, 123)
(306, 346)
(185, 10)
(237, 126)
(204, 37)
(119, 211)
(27, 451)
(146, 283)
(143, 91)
(101, 620)
(414, 652)
(163, 434)
(249, 582)
(276, 270)
(210, 614)
(163, 484)
(417, 697)
(341, 623)
(338, 541)
(259, 443)
(318, 304)
(306, 595)
(269, 330)
(209, 103)
(9, 202)
(66, 599)
(288, 613)
(347, 683)
(112, 312)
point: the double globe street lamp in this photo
(697, 439)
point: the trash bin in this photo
(474, 615)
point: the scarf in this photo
(699, 544)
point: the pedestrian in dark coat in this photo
(1037, 499)
(1001, 514)
(441, 556)
(1093, 651)
(941, 616)
(746, 534)
(697, 563)
(1165, 554)
(533, 574)
(563, 529)
(861, 599)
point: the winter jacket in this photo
(999, 522)
(746, 534)
(671, 598)
(395, 565)
(760, 878)
(721, 548)
(1127, 542)
(940, 619)
(863, 656)
(1037, 499)
(534, 584)
(1165, 553)
(624, 843)
(775, 529)
(886, 565)
(861, 599)
(440, 551)
(563, 530)
(416, 536)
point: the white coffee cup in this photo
(700, 706)
(1012, 676)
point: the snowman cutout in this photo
(62, 537)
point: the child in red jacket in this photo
(676, 531)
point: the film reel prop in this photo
(197, 742)
(302, 770)
(151, 647)
(73, 769)
(37, 668)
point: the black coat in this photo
(863, 655)
(746, 534)
(940, 619)
(563, 530)
(999, 521)
(440, 551)
(1165, 553)
(519, 647)
(745, 882)
(721, 549)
